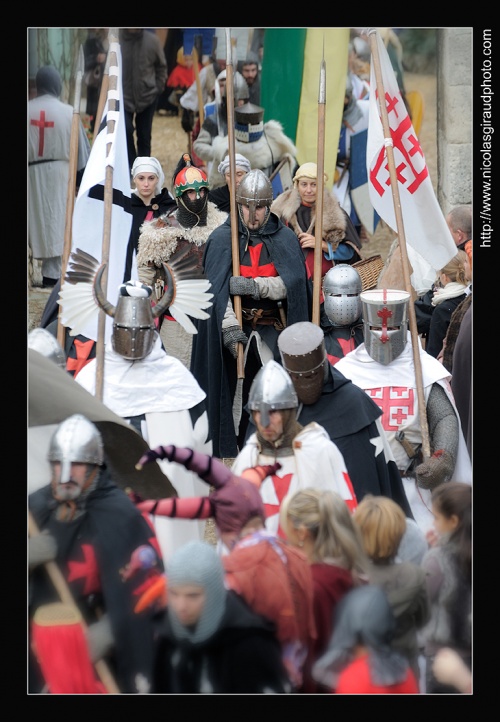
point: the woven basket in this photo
(369, 270)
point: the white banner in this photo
(88, 215)
(425, 227)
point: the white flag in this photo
(88, 214)
(428, 237)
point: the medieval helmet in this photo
(249, 122)
(76, 439)
(134, 330)
(385, 321)
(188, 177)
(254, 191)
(303, 353)
(271, 390)
(47, 344)
(341, 288)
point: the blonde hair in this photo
(455, 269)
(328, 520)
(382, 524)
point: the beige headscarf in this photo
(307, 170)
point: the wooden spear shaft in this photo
(61, 587)
(73, 167)
(320, 183)
(106, 233)
(103, 95)
(201, 111)
(402, 243)
(232, 193)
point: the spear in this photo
(389, 151)
(108, 206)
(232, 190)
(73, 163)
(102, 97)
(235, 247)
(320, 183)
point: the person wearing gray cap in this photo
(209, 639)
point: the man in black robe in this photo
(275, 292)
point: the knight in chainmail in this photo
(383, 365)
(307, 455)
(90, 529)
(271, 282)
(190, 224)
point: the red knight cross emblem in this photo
(408, 155)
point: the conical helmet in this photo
(255, 191)
(76, 439)
(47, 344)
(272, 389)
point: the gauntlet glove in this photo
(231, 336)
(435, 470)
(41, 548)
(241, 286)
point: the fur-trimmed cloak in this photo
(158, 241)
(287, 204)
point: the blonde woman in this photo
(382, 524)
(320, 523)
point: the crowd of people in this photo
(259, 504)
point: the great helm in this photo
(272, 389)
(248, 122)
(302, 349)
(341, 288)
(254, 191)
(134, 329)
(385, 321)
(76, 439)
(47, 344)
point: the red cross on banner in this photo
(425, 226)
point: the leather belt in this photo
(263, 318)
(406, 473)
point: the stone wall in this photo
(454, 117)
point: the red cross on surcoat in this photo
(255, 270)
(42, 124)
(397, 404)
(86, 570)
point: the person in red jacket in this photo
(360, 658)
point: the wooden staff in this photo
(108, 208)
(201, 107)
(65, 595)
(320, 184)
(103, 95)
(73, 166)
(402, 242)
(232, 192)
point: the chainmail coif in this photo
(198, 563)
